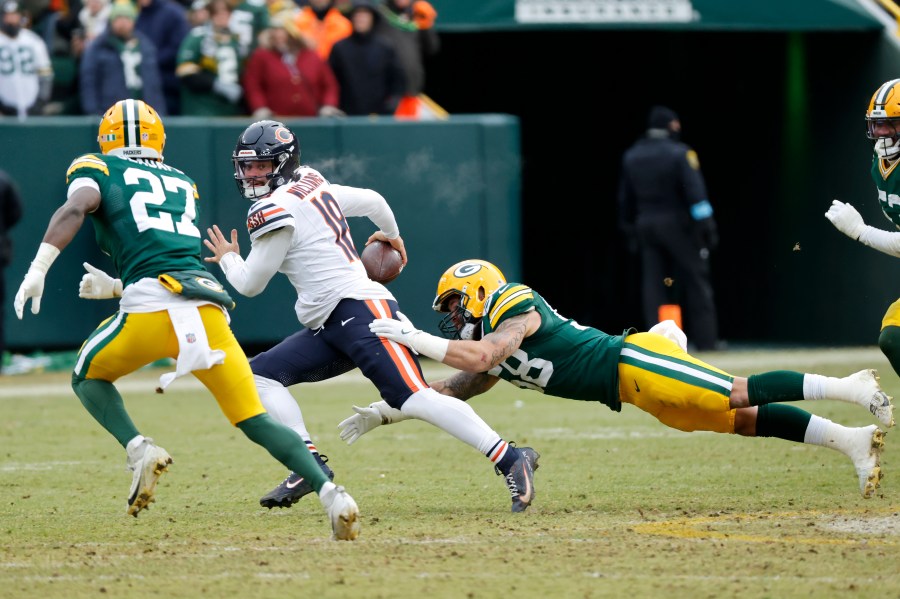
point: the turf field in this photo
(624, 507)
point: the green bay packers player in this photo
(883, 128)
(145, 215)
(508, 331)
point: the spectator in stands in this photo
(10, 214)
(409, 26)
(65, 98)
(120, 64)
(198, 15)
(209, 66)
(322, 25)
(43, 16)
(367, 68)
(250, 20)
(285, 78)
(279, 7)
(165, 22)
(26, 75)
(93, 17)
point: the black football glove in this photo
(706, 233)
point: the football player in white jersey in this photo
(297, 226)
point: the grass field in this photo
(624, 506)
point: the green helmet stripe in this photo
(132, 124)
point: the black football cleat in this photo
(520, 480)
(293, 488)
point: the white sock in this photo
(279, 402)
(134, 444)
(452, 416)
(816, 430)
(325, 493)
(825, 433)
(814, 386)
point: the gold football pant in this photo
(125, 342)
(892, 316)
(679, 390)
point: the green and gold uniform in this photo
(562, 358)
(887, 181)
(565, 359)
(147, 219)
(147, 224)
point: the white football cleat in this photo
(867, 393)
(864, 447)
(148, 461)
(342, 511)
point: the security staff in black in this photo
(665, 214)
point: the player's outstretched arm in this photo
(63, 226)
(848, 221)
(465, 385)
(470, 356)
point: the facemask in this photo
(887, 148)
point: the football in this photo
(383, 263)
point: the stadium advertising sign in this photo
(605, 11)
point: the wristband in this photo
(430, 345)
(230, 261)
(389, 415)
(45, 256)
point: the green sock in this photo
(783, 422)
(286, 446)
(103, 402)
(778, 385)
(889, 342)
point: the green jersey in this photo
(219, 53)
(147, 219)
(562, 358)
(887, 180)
(248, 20)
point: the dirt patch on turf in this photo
(882, 525)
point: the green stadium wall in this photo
(445, 181)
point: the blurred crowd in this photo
(263, 58)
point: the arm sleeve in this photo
(881, 240)
(355, 201)
(251, 276)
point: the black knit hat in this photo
(660, 117)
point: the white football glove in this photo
(402, 331)
(366, 419)
(32, 288)
(671, 331)
(846, 219)
(96, 284)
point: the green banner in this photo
(737, 15)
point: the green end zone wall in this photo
(446, 181)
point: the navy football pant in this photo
(343, 343)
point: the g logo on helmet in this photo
(283, 135)
(466, 270)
